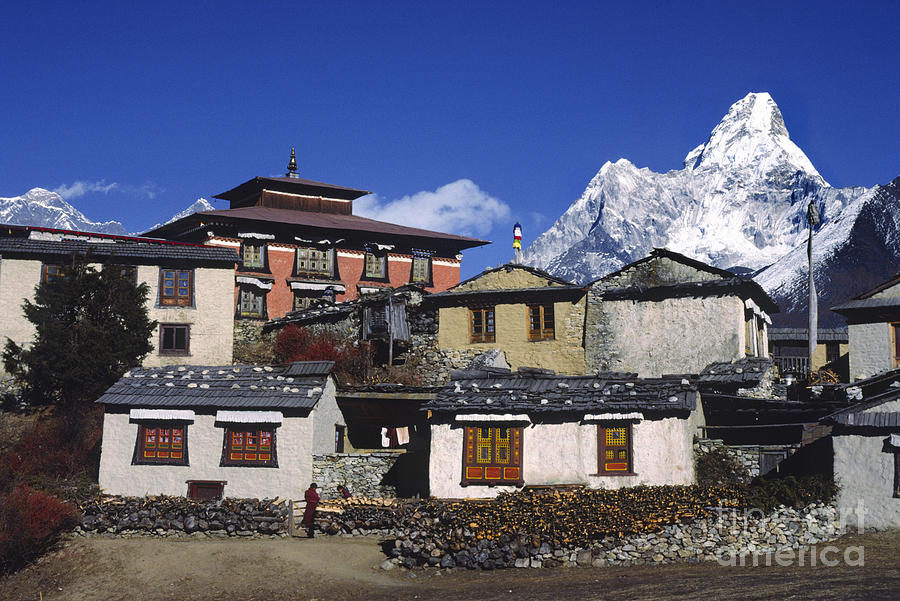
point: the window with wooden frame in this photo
(614, 450)
(315, 261)
(492, 455)
(481, 325)
(176, 287)
(541, 324)
(253, 255)
(126, 272)
(174, 339)
(895, 343)
(252, 303)
(376, 266)
(52, 273)
(251, 446)
(421, 270)
(161, 444)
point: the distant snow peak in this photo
(43, 208)
(740, 201)
(198, 206)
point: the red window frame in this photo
(615, 450)
(161, 444)
(251, 446)
(492, 455)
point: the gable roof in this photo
(296, 385)
(536, 391)
(674, 256)
(290, 185)
(511, 266)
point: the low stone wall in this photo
(362, 473)
(746, 455)
(128, 516)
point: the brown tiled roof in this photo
(322, 221)
(292, 185)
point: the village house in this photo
(534, 318)
(496, 430)
(866, 441)
(667, 313)
(299, 242)
(873, 320)
(190, 286)
(789, 348)
(220, 431)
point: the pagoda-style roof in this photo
(246, 193)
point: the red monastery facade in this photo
(299, 241)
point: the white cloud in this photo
(80, 188)
(460, 207)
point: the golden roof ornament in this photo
(292, 166)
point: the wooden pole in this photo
(812, 215)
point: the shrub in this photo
(769, 492)
(352, 359)
(718, 468)
(30, 521)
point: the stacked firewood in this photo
(471, 532)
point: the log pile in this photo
(162, 514)
(496, 532)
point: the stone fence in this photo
(749, 456)
(362, 473)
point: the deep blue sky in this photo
(174, 101)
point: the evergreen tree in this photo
(91, 327)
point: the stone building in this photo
(873, 320)
(866, 440)
(190, 286)
(789, 348)
(495, 430)
(534, 318)
(299, 241)
(667, 313)
(221, 431)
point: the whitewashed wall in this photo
(865, 474)
(205, 440)
(567, 454)
(870, 349)
(18, 279)
(652, 338)
(325, 417)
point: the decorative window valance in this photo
(894, 440)
(315, 286)
(607, 417)
(249, 417)
(520, 418)
(261, 284)
(181, 415)
(256, 235)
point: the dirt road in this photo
(333, 569)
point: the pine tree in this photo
(91, 326)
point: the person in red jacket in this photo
(312, 500)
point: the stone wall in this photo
(870, 349)
(746, 455)
(865, 473)
(163, 516)
(361, 473)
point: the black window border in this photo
(187, 340)
(137, 457)
(264, 251)
(265, 305)
(229, 428)
(159, 297)
(317, 275)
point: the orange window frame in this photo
(492, 455)
(615, 450)
(161, 444)
(250, 447)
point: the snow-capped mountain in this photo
(201, 204)
(40, 207)
(739, 202)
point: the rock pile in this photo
(172, 515)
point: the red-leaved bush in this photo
(30, 521)
(351, 361)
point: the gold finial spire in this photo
(292, 166)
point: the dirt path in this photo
(333, 569)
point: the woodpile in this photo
(161, 514)
(494, 533)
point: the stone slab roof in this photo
(733, 285)
(133, 250)
(746, 372)
(497, 390)
(873, 392)
(296, 385)
(822, 334)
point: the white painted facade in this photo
(871, 350)
(865, 473)
(567, 454)
(297, 439)
(211, 318)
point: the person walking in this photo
(312, 501)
